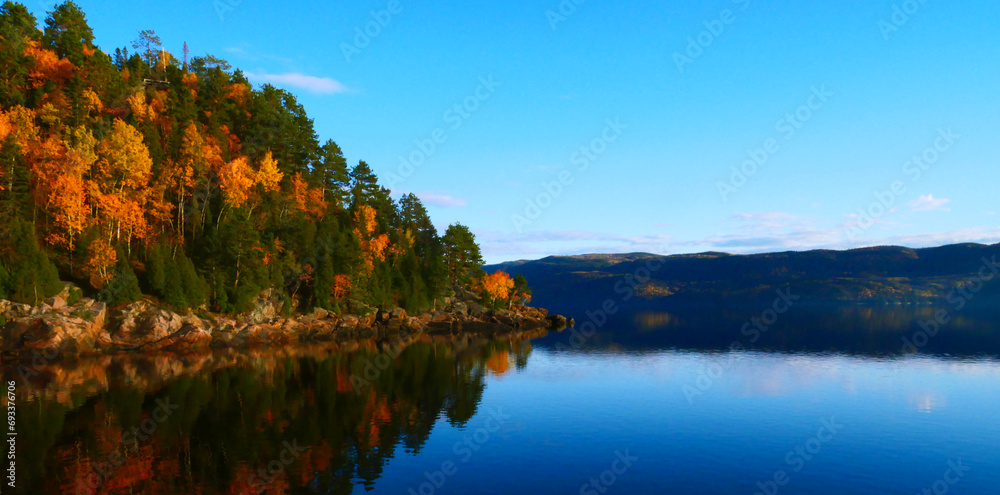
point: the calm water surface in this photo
(654, 403)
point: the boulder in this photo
(367, 321)
(142, 327)
(557, 321)
(442, 318)
(476, 310)
(349, 323)
(397, 313)
(11, 310)
(415, 324)
(267, 307)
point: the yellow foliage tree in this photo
(236, 178)
(268, 175)
(124, 159)
(121, 182)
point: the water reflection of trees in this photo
(237, 411)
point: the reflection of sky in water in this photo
(904, 419)
(568, 413)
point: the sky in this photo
(557, 127)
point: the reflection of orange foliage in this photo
(316, 460)
(499, 363)
(344, 384)
(498, 285)
(376, 414)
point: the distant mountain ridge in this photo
(874, 275)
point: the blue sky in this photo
(825, 104)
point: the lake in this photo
(821, 400)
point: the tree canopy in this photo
(139, 172)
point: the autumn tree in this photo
(121, 179)
(205, 189)
(101, 260)
(497, 287)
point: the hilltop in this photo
(875, 275)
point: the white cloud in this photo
(441, 200)
(741, 233)
(929, 203)
(323, 85)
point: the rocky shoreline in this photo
(84, 326)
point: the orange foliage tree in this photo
(101, 258)
(235, 179)
(373, 246)
(308, 200)
(498, 286)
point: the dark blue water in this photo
(828, 402)
(820, 424)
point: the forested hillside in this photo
(141, 171)
(955, 275)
